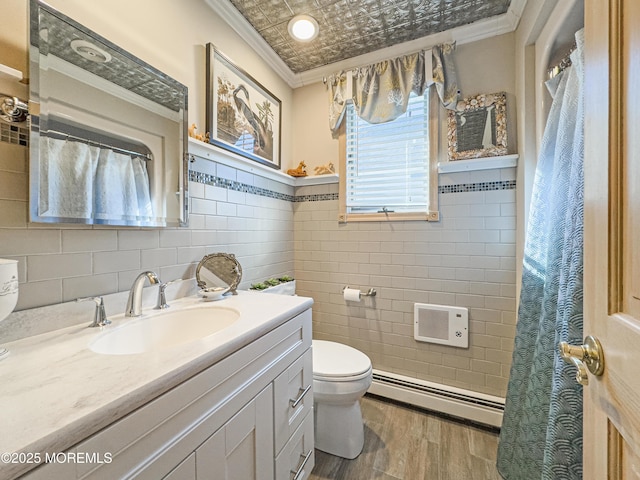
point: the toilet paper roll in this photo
(351, 294)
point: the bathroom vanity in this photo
(237, 404)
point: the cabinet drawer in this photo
(296, 460)
(293, 398)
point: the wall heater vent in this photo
(441, 324)
(457, 402)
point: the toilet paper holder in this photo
(371, 293)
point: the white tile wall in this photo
(467, 259)
(58, 263)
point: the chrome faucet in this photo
(134, 302)
(100, 317)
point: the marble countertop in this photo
(55, 391)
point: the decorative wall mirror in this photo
(108, 135)
(478, 127)
(219, 272)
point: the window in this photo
(386, 171)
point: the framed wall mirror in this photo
(108, 131)
(478, 127)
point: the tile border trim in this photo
(214, 181)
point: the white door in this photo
(612, 237)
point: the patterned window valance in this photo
(380, 92)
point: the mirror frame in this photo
(474, 104)
(182, 219)
(213, 262)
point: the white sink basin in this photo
(163, 330)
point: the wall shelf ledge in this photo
(487, 163)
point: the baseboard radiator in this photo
(457, 402)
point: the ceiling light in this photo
(303, 28)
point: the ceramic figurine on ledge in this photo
(325, 169)
(300, 171)
(198, 136)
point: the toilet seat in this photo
(336, 362)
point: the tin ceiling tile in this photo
(354, 27)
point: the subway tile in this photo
(500, 303)
(47, 267)
(109, 262)
(38, 294)
(469, 378)
(484, 210)
(201, 206)
(501, 330)
(501, 249)
(30, 241)
(501, 223)
(89, 240)
(500, 276)
(470, 249)
(496, 383)
(470, 301)
(223, 171)
(138, 239)
(86, 286)
(452, 286)
(239, 198)
(500, 196)
(483, 366)
(498, 356)
(14, 213)
(442, 273)
(174, 237)
(226, 209)
(486, 341)
(508, 236)
(13, 186)
(158, 257)
(198, 222)
(456, 361)
(470, 274)
(196, 189)
(483, 288)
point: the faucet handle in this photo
(100, 318)
(162, 298)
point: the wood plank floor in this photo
(404, 443)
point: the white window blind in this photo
(387, 164)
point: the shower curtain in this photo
(541, 435)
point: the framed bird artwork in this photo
(242, 116)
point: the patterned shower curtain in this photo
(541, 435)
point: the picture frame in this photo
(478, 127)
(242, 116)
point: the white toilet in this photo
(341, 376)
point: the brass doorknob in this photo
(589, 354)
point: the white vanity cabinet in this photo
(248, 416)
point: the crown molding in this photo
(225, 10)
(473, 32)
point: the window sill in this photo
(488, 163)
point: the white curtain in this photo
(67, 172)
(83, 181)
